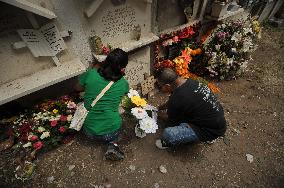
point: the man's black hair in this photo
(167, 76)
(113, 67)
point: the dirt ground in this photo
(254, 109)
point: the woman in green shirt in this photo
(103, 121)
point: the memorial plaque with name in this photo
(46, 41)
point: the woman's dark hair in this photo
(113, 67)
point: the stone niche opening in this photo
(176, 15)
(25, 68)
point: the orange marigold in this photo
(196, 52)
(214, 88)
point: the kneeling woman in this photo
(103, 121)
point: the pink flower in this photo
(53, 123)
(175, 39)
(38, 145)
(62, 129)
(63, 118)
(71, 105)
(33, 138)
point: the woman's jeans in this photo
(106, 138)
(181, 134)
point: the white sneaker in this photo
(159, 144)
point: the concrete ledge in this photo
(39, 80)
(129, 46)
(229, 14)
(178, 28)
(28, 6)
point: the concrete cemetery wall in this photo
(114, 21)
(114, 24)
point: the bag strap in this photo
(101, 94)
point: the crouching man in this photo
(194, 114)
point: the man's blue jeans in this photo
(181, 134)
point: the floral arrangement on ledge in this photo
(228, 51)
(188, 53)
(145, 114)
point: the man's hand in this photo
(163, 106)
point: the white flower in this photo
(234, 50)
(139, 113)
(247, 45)
(132, 93)
(214, 55)
(230, 61)
(41, 129)
(217, 47)
(236, 37)
(71, 105)
(149, 125)
(45, 135)
(55, 118)
(247, 30)
(28, 144)
(69, 117)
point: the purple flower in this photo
(222, 35)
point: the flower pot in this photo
(219, 9)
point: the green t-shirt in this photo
(104, 117)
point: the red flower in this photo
(38, 145)
(63, 118)
(62, 129)
(105, 50)
(53, 123)
(25, 128)
(33, 138)
(186, 33)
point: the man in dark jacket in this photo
(194, 114)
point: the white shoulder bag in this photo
(81, 112)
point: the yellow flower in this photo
(138, 101)
(55, 111)
(178, 60)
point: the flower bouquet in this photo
(46, 126)
(145, 114)
(228, 51)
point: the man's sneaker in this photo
(113, 153)
(161, 144)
